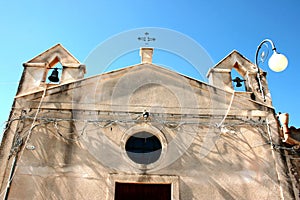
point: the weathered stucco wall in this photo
(76, 148)
(233, 162)
(68, 141)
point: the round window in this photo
(143, 148)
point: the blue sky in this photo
(31, 27)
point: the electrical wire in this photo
(104, 123)
(228, 109)
(18, 158)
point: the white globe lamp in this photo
(278, 62)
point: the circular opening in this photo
(143, 148)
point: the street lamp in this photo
(277, 62)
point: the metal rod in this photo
(258, 69)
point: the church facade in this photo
(143, 132)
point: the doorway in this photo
(142, 191)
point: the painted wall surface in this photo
(216, 144)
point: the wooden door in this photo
(135, 191)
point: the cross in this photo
(146, 39)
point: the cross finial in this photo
(146, 39)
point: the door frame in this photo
(143, 179)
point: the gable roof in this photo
(233, 58)
(144, 69)
(54, 54)
(142, 66)
(230, 59)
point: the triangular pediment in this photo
(234, 60)
(55, 54)
(143, 87)
(139, 86)
(146, 69)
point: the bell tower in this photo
(220, 76)
(36, 71)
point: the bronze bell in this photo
(238, 81)
(54, 76)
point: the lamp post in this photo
(277, 62)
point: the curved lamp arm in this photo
(259, 47)
(277, 62)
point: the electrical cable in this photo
(17, 158)
(227, 112)
(104, 123)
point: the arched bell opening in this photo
(53, 72)
(238, 81)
